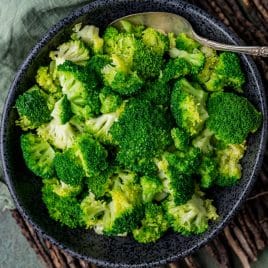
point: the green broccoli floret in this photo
(110, 101)
(141, 132)
(227, 73)
(68, 167)
(97, 63)
(38, 155)
(93, 211)
(174, 69)
(179, 186)
(172, 40)
(32, 108)
(74, 51)
(192, 217)
(204, 141)
(128, 27)
(45, 80)
(125, 209)
(151, 186)
(180, 138)
(232, 117)
(156, 40)
(92, 154)
(80, 87)
(184, 42)
(208, 171)
(153, 226)
(90, 35)
(188, 106)
(196, 58)
(61, 136)
(229, 167)
(62, 111)
(65, 209)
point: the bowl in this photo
(123, 251)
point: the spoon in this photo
(169, 22)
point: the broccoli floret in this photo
(128, 27)
(32, 108)
(45, 80)
(151, 186)
(38, 155)
(175, 68)
(93, 210)
(192, 217)
(204, 141)
(196, 58)
(62, 111)
(154, 224)
(188, 106)
(74, 51)
(179, 186)
(125, 209)
(61, 136)
(92, 154)
(208, 171)
(110, 101)
(180, 138)
(65, 209)
(141, 132)
(232, 117)
(227, 73)
(100, 126)
(156, 40)
(172, 40)
(229, 166)
(117, 76)
(90, 35)
(68, 167)
(97, 63)
(80, 87)
(184, 42)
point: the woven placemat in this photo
(247, 235)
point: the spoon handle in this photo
(251, 50)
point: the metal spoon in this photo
(169, 22)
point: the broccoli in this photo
(65, 209)
(180, 186)
(110, 101)
(32, 109)
(80, 87)
(180, 138)
(38, 155)
(184, 42)
(97, 63)
(172, 40)
(227, 73)
(196, 58)
(153, 226)
(62, 111)
(188, 106)
(93, 210)
(61, 136)
(128, 27)
(232, 117)
(45, 80)
(151, 186)
(229, 168)
(90, 35)
(204, 141)
(208, 171)
(125, 209)
(68, 167)
(73, 50)
(191, 217)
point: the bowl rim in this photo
(50, 34)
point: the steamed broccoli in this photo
(188, 106)
(208, 171)
(38, 155)
(180, 138)
(232, 117)
(110, 100)
(45, 80)
(151, 186)
(32, 108)
(184, 42)
(204, 141)
(62, 111)
(192, 217)
(153, 226)
(227, 73)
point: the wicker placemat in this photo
(247, 235)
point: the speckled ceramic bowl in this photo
(118, 251)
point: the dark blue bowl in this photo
(118, 251)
